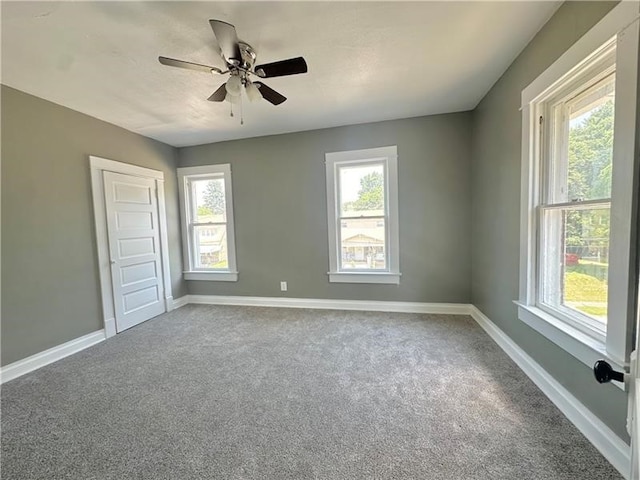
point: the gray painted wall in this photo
(495, 174)
(50, 278)
(281, 218)
(459, 212)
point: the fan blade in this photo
(172, 62)
(228, 40)
(292, 66)
(269, 94)
(219, 94)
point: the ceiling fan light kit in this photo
(240, 59)
(232, 98)
(234, 85)
(253, 92)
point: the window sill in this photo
(212, 276)
(578, 344)
(365, 277)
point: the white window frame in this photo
(553, 172)
(388, 156)
(185, 175)
(621, 25)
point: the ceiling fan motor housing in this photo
(248, 55)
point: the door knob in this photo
(113, 262)
(604, 373)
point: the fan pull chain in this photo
(231, 107)
(241, 112)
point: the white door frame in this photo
(98, 165)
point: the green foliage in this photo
(579, 287)
(590, 155)
(214, 197)
(589, 175)
(593, 269)
(204, 211)
(588, 228)
(593, 310)
(370, 195)
(586, 293)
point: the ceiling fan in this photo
(240, 60)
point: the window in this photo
(362, 206)
(207, 227)
(576, 125)
(579, 124)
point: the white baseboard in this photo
(330, 304)
(179, 302)
(110, 327)
(612, 447)
(29, 364)
(168, 303)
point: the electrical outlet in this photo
(283, 286)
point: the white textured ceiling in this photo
(367, 61)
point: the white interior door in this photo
(632, 415)
(633, 386)
(134, 248)
(633, 390)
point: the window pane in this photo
(361, 190)
(209, 200)
(363, 244)
(576, 260)
(210, 246)
(591, 142)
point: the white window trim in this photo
(622, 22)
(226, 275)
(333, 160)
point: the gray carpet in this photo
(209, 392)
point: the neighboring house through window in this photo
(207, 228)
(362, 206)
(579, 121)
